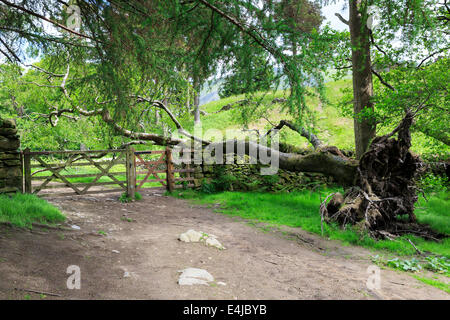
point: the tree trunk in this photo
(196, 100)
(326, 161)
(362, 76)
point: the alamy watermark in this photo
(374, 18)
(74, 280)
(240, 147)
(374, 280)
(74, 20)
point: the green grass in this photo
(22, 210)
(301, 209)
(435, 283)
(435, 212)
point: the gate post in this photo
(169, 171)
(27, 170)
(131, 172)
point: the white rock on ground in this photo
(198, 236)
(213, 242)
(191, 236)
(191, 276)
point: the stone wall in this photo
(10, 159)
(247, 177)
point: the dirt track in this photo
(287, 264)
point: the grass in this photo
(22, 210)
(435, 283)
(300, 209)
(435, 212)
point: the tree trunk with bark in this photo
(362, 76)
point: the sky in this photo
(329, 11)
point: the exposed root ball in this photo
(385, 193)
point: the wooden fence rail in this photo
(43, 172)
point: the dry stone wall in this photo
(10, 158)
(247, 177)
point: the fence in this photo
(89, 172)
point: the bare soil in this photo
(280, 263)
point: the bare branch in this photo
(430, 56)
(341, 18)
(312, 138)
(382, 80)
(10, 50)
(45, 71)
(37, 15)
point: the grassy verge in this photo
(435, 283)
(300, 209)
(22, 210)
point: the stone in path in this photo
(191, 276)
(199, 236)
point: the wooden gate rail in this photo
(62, 180)
(135, 165)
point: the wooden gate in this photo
(78, 171)
(157, 168)
(101, 171)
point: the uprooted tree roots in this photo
(382, 200)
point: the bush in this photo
(432, 183)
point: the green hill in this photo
(330, 125)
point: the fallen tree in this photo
(384, 191)
(381, 188)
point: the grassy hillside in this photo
(329, 124)
(333, 128)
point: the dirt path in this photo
(286, 264)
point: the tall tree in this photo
(407, 33)
(364, 127)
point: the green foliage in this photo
(435, 212)
(438, 265)
(249, 74)
(412, 265)
(221, 182)
(430, 183)
(207, 188)
(433, 263)
(124, 198)
(23, 209)
(423, 89)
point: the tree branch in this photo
(37, 15)
(382, 80)
(312, 138)
(430, 56)
(341, 18)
